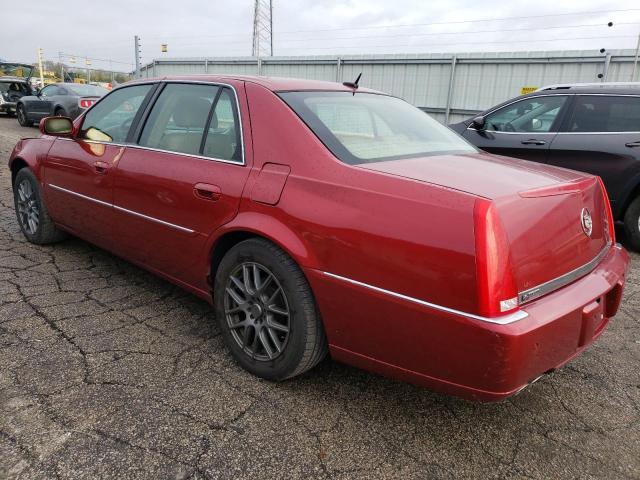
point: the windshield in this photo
(86, 90)
(14, 70)
(366, 127)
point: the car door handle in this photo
(207, 191)
(632, 144)
(101, 167)
(533, 142)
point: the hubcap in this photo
(257, 311)
(28, 212)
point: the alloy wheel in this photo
(28, 211)
(257, 311)
(21, 115)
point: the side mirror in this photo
(478, 122)
(57, 126)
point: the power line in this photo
(594, 12)
(504, 42)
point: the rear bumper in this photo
(8, 106)
(463, 356)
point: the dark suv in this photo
(14, 84)
(591, 128)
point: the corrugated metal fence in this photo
(448, 86)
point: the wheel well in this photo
(630, 198)
(17, 165)
(223, 245)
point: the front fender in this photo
(31, 151)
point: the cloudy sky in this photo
(104, 31)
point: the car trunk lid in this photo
(536, 218)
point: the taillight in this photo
(497, 291)
(610, 227)
(84, 103)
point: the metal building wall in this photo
(445, 85)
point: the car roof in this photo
(13, 79)
(608, 90)
(276, 84)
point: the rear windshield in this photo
(86, 90)
(366, 127)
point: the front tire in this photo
(33, 217)
(266, 311)
(22, 116)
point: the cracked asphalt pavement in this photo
(107, 371)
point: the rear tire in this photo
(269, 322)
(632, 224)
(31, 211)
(22, 116)
(60, 112)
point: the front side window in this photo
(110, 119)
(49, 91)
(366, 127)
(601, 113)
(538, 114)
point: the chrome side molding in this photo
(121, 209)
(501, 320)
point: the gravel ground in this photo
(107, 371)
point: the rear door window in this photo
(604, 113)
(110, 119)
(223, 135)
(179, 118)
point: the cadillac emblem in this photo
(587, 223)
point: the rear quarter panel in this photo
(402, 235)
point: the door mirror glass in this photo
(58, 126)
(536, 124)
(478, 122)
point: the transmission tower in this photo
(262, 28)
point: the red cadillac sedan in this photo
(325, 218)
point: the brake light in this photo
(497, 291)
(84, 103)
(610, 226)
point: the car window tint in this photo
(223, 135)
(530, 115)
(178, 119)
(364, 127)
(49, 91)
(111, 118)
(601, 113)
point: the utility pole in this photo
(635, 60)
(262, 28)
(61, 66)
(138, 55)
(40, 54)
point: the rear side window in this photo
(110, 119)
(194, 119)
(601, 113)
(223, 135)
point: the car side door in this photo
(40, 106)
(182, 180)
(78, 171)
(601, 135)
(522, 129)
